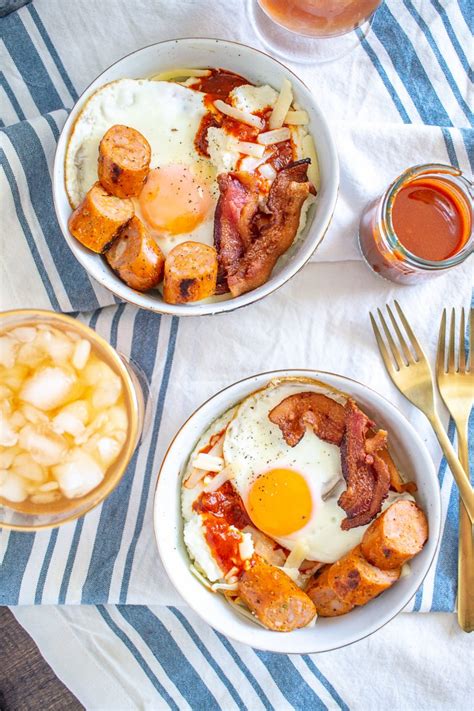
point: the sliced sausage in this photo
(327, 603)
(274, 598)
(124, 161)
(96, 221)
(136, 257)
(190, 273)
(356, 581)
(395, 536)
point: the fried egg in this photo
(290, 493)
(178, 200)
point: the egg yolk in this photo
(279, 502)
(173, 200)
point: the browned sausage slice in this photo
(98, 218)
(274, 598)
(124, 161)
(395, 536)
(136, 257)
(327, 603)
(356, 581)
(190, 273)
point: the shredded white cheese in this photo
(282, 105)
(238, 115)
(208, 462)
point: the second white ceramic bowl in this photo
(329, 633)
(259, 68)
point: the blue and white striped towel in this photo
(401, 98)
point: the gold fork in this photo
(456, 385)
(411, 373)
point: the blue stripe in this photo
(29, 64)
(384, 77)
(73, 276)
(290, 682)
(245, 671)
(468, 138)
(210, 660)
(70, 561)
(325, 682)
(171, 657)
(138, 657)
(409, 68)
(452, 36)
(52, 124)
(13, 566)
(149, 464)
(52, 50)
(467, 12)
(27, 232)
(448, 139)
(442, 63)
(146, 330)
(11, 97)
(45, 567)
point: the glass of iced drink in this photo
(71, 415)
(311, 31)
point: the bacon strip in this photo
(367, 475)
(249, 240)
(235, 210)
(293, 414)
(276, 228)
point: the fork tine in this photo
(391, 342)
(441, 353)
(406, 351)
(462, 343)
(471, 340)
(451, 347)
(382, 348)
(409, 331)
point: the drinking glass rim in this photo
(386, 207)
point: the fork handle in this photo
(460, 476)
(466, 550)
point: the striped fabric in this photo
(412, 72)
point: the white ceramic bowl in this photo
(258, 68)
(329, 633)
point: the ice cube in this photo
(33, 415)
(78, 474)
(107, 450)
(49, 486)
(58, 346)
(13, 488)
(8, 436)
(7, 455)
(97, 423)
(107, 392)
(45, 446)
(96, 372)
(29, 354)
(26, 467)
(118, 419)
(14, 377)
(79, 409)
(81, 354)
(17, 420)
(66, 422)
(25, 334)
(46, 497)
(48, 388)
(5, 392)
(8, 349)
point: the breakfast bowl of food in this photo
(297, 511)
(195, 176)
(71, 415)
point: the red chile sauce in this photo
(221, 509)
(428, 220)
(218, 85)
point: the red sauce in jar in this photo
(428, 220)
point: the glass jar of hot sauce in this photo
(421, 226)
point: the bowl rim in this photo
(313, 374)
(197, 309)
(130, 395)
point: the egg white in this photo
(254, 445)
